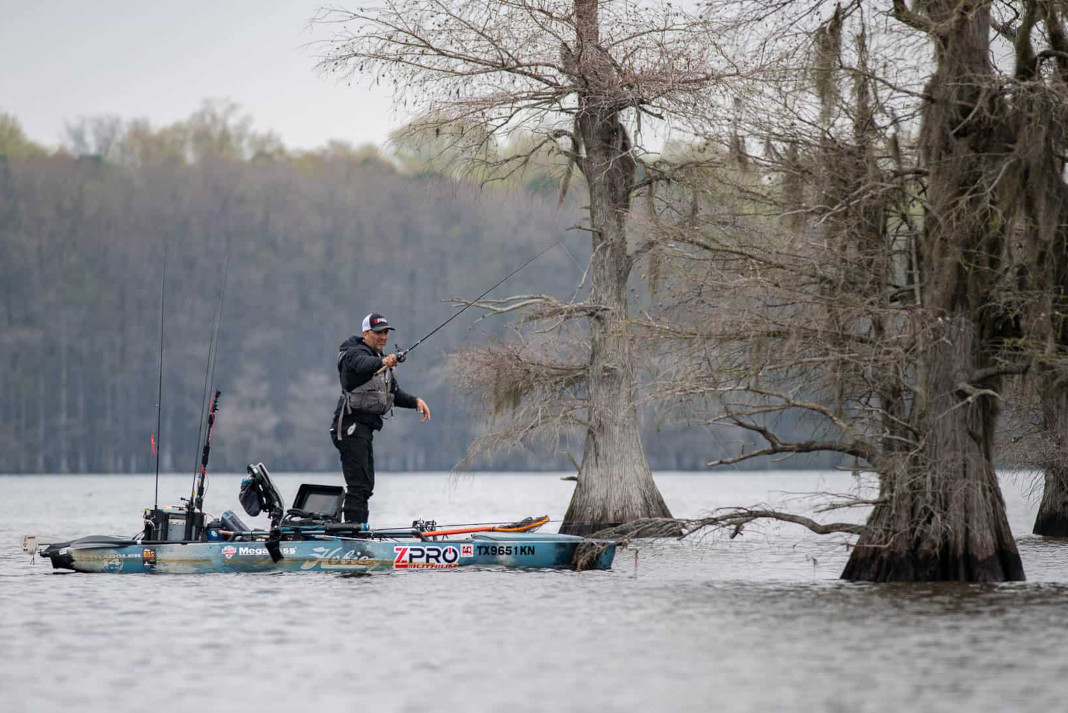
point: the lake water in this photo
(758, 623)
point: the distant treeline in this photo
(316, 240)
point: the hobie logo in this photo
(229, 551)
(425, 557)
(337, 559)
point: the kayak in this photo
(310, 537)
(322, 553)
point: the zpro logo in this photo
(425, 557)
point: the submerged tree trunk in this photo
(1052, 517)
(1045, 200)
(615, 484)
(941, 516)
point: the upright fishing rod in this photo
(403, 354)
(196, 502)
(196, 493)
(159, 392)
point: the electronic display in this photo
(325, 503)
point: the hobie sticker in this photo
(229, 551)
(425, 556)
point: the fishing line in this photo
(568, 251)
(403, 354)
(472, 302)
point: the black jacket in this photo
(357, 363)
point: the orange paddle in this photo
(528, 525)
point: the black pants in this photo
(358, 465)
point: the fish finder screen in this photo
(320, 502)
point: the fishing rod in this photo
(159, 392)
(196, 502)
(403, 354)
(196, 494)
(213, 349)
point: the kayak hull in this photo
(331, 554)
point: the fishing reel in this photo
(401, 354)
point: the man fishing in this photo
(369, 391)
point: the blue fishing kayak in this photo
(332, 554)
(309, 537)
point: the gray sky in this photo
(60, 59)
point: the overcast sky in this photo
(60, 59)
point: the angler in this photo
(369, 391)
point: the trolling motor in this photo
(258, 494)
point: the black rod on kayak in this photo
(159, 391)
(213, 350)
(404, 353)
(196, 492)
(196, 502)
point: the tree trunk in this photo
(615, 484)
(1052, 518)
(941, 516)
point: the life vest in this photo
(375, 396)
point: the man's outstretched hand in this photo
(422, 408)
